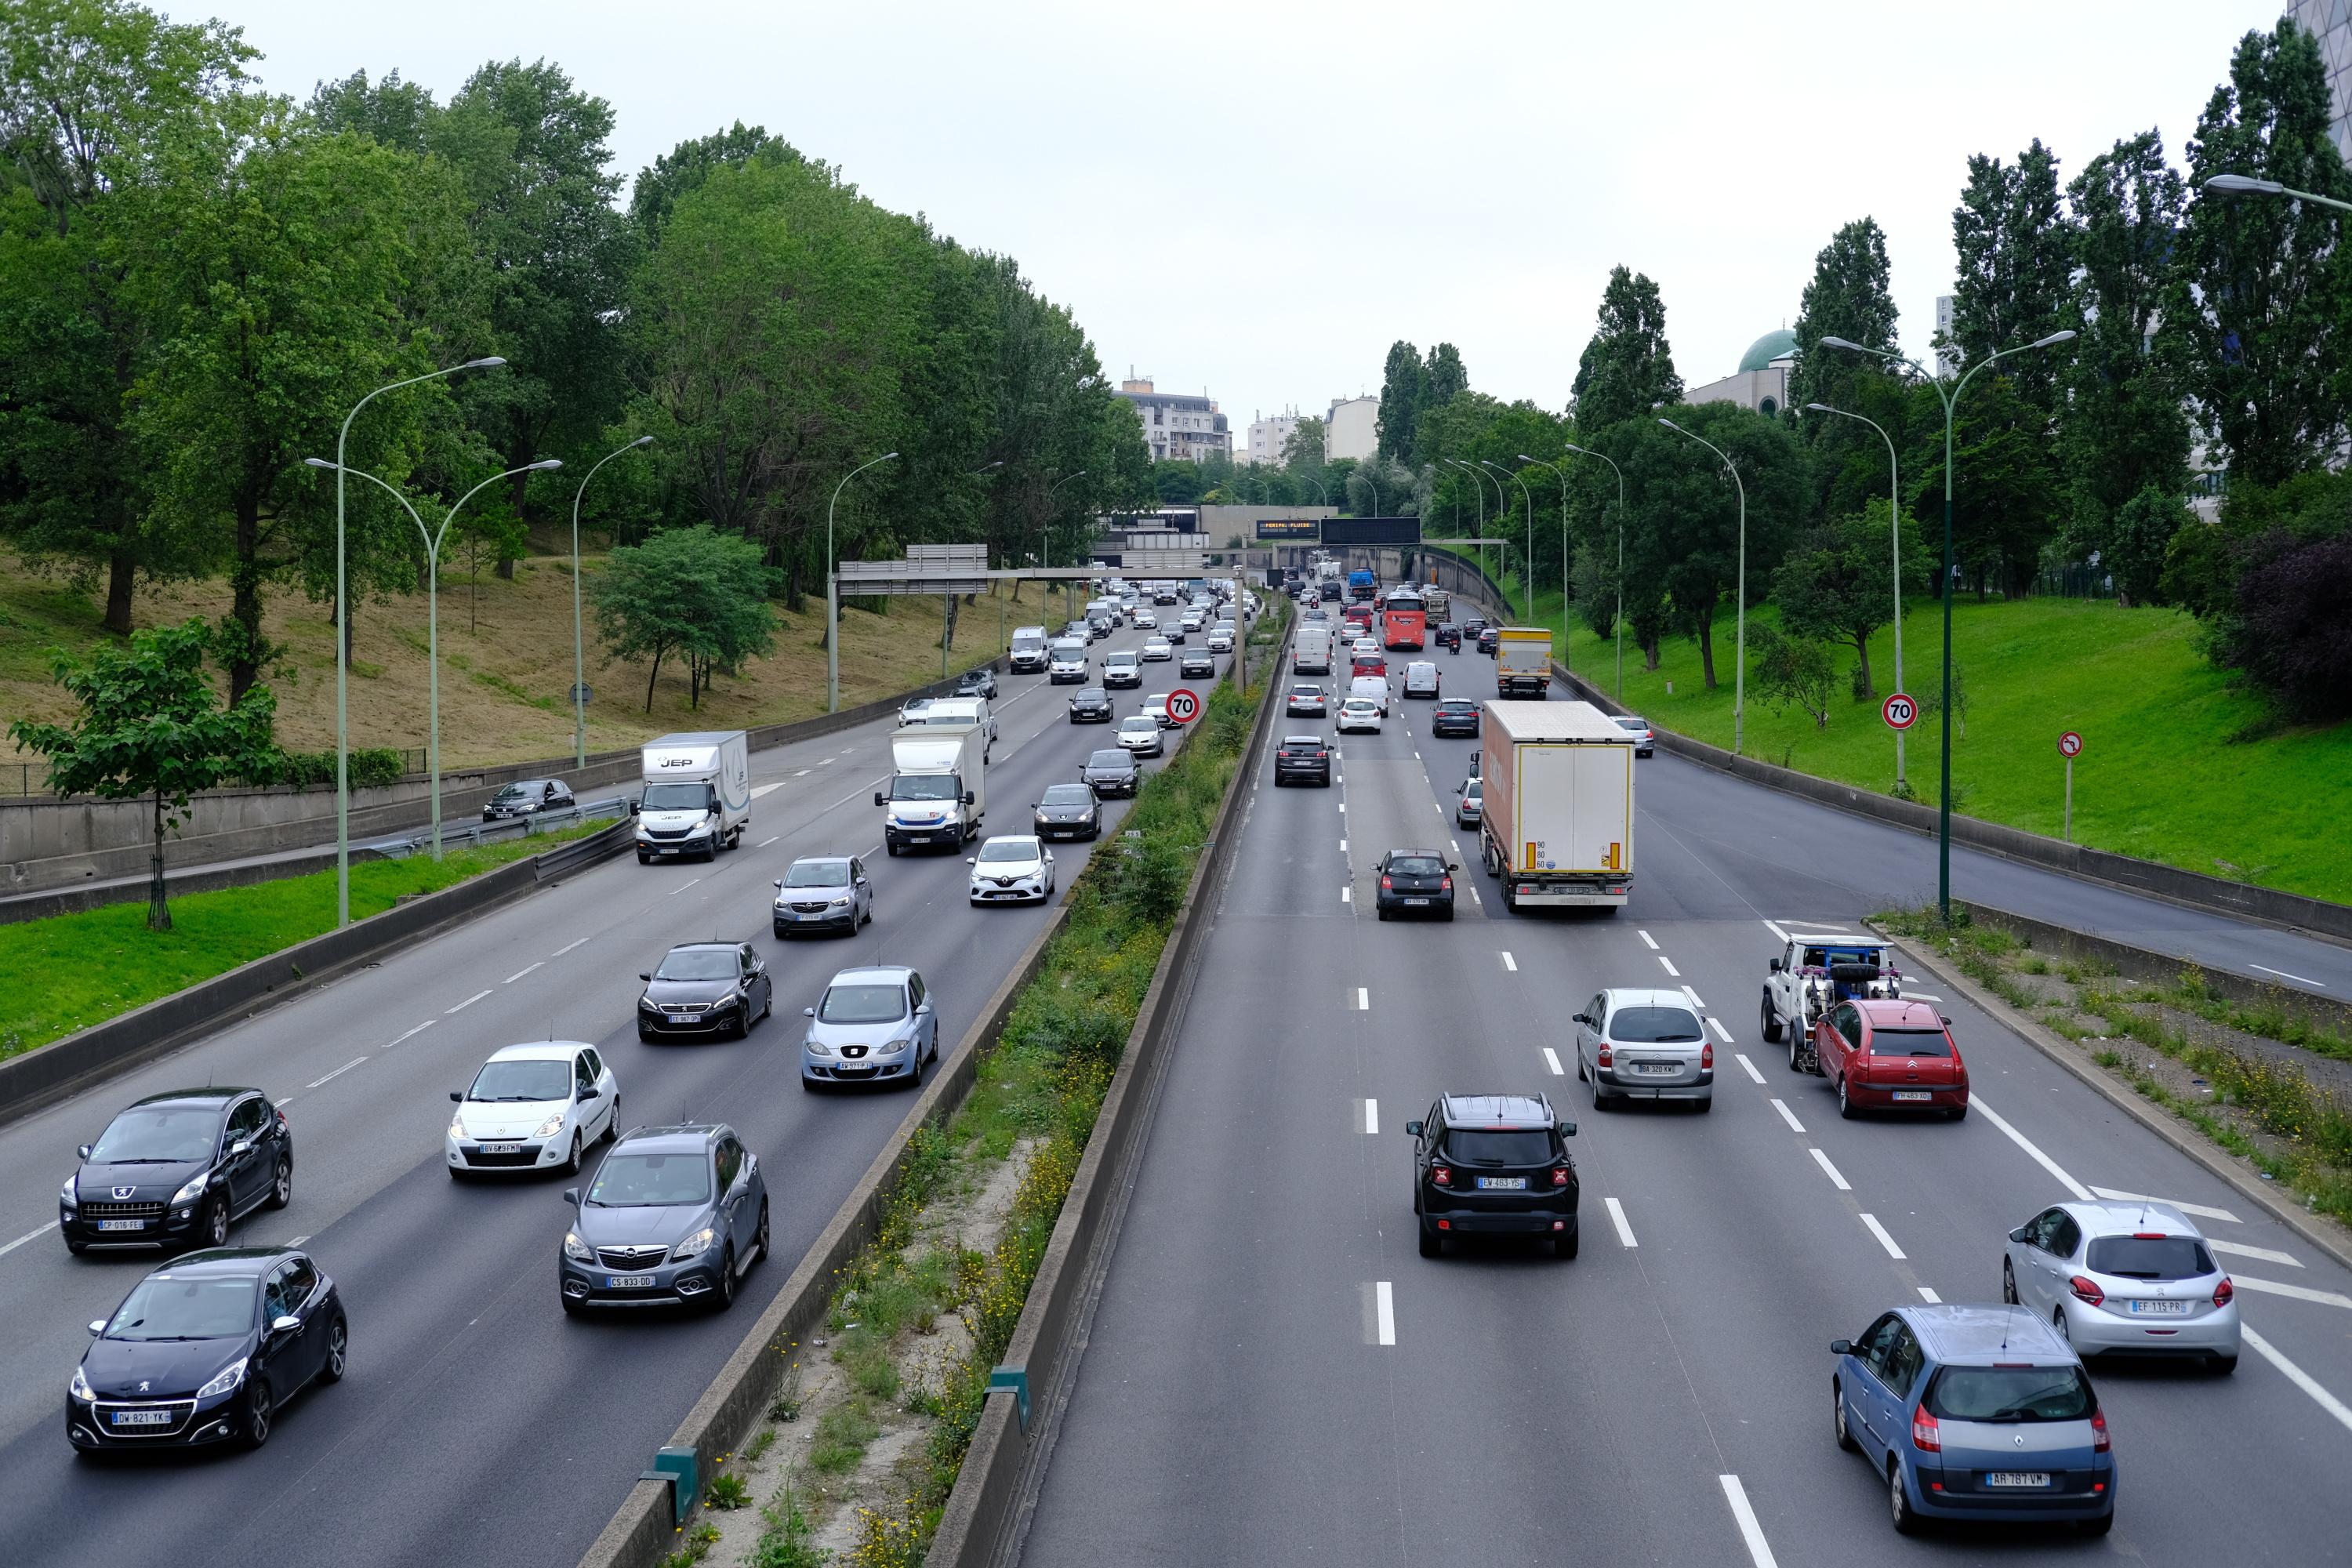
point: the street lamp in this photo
(1565, 660)
(1617, 621)
(578, 660)
(832, 593)
(2247, 185)
(433, 538)
(1950, 400)
(1739, 654)
(342, 643)
(1531, 528)
(1894, 530)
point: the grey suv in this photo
(676, 1215)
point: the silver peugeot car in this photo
(1641, 1044)
(875, 1024)
(2126, 1279)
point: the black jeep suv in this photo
(1494, 1164)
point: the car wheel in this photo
(722, 1294)
(77, 1248)
(809, 1085)
(2009, 1282)
(1704, 1105)
(282, 1183)
(1899, 1501)
(915, 1065)
(571, 1165)
(2099, 1526)
(613, 1122)
(215, 1231)
(1796, 1051)
(2058, 1321)
(1380, 912)
(1599, 1102)
(1768, 1021)
(1449, 911)
(780, 934)
(644, 1036)
(1846, 1107)
(339, 1349)
(259, 1412)
(1579, 1069)
(761, 1241)
(1837, 1419)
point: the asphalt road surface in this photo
(1274, 1376)
(477, 1424)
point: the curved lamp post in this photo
(832, 593)
(1530, 572)
(1617, 621)
(579, 657)
(1895, 532)
(1740, 654)
(1561, 474)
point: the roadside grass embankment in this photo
(68, 971)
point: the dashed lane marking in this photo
(1741, 1057)
(1721, 1033)
(1928, 1296)
(1884, 1241)
(1384, 1308)
(2208, 1210)
(518, 973)
(683, 887)
(1645, 936)
(355, 1061)
(1551, 1059)
(1510, 964)
(2269, 1353)
(1347, 895)
(2282, 974)
(1695, 1000)
(1831, 1172)
(1372, 1116)
(465, 1003)
(567, 947)
(418, 1030)
(28, 1236)
(1759, 1550)
(1788, 1116)
(2299, 1292)
(765, 842)
(803, 773)
(1670, 967)
(1363, 999)
(2264, 1253)
(1617, 1219)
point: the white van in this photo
(1420, 679)
(1068, 662)
(1028, 654)
(1311, 654)
(1370, 689)
(696, 794)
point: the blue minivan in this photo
(1975, 1413)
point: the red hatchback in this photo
(1891, 1055)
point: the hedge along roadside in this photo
(641, 1532)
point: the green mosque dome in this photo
(1772, 345)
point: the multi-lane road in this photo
(1274, 1375)
(477, 1424)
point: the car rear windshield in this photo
(1910, 1043)
(1530, 1146)
(697, 963)
(818, 873)
(1654, 1025)
(2011, 1393)
(1306, 691)
(159, 1134)
(163, 1308)
(1417, 866)
(2149, 1258)
(644, 1181)
(521, 1081)
(862, 1005)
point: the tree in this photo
(1627, 368)
(694, 592)
(2287, 630)
(2260, 286)
(1403, 387)
(684, 168)
(1838, 583)
(2135, 545)
(1444, 377)
(1302, 450)
(2006, 504)
(1792, 671)
(1848, 297)
(2016, 252)
(151, 726)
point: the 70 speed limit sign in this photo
(1900, 713)
(1183, 707)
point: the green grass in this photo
(2162, 775)
(69, 971)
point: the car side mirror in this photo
(808, 1012)
(1568, 1129)
(242, 1146)
(970, 860)
(1413, 1128)
(591, 1092)
(645, 975)
(83, 1150)
(285, 1325)
(572, 1196)
(778, 883)
(877, 797)
(1841, 1347)
(456, 1097)
(1049, 860)
(2018, 1235)
(1776, 966)
(1947, 1021)
(1577, 1018)
(97, 1327)
(970, 798)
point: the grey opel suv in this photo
(676, 1215)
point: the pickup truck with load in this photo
(1813, 972)
(938, 792)
(1557, 812)
(696, 795)
(1523, 662)
(1438, 604)
(1027, 655)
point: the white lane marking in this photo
(1670, 967)
(2299, 1292)
(1551, 1059)
(1363, 999)
(1347, 895)
(683, 886)
(1645, 936)
(1343, 804)
(1788, 1116)
(765, 842)
(1617, 1217)
(2294, 1374)
(759, 790)
(28, 1236)
(1776, 931)
(1477, 900)
(1919, 996)
(1720, 1032)
(1343, 846)
(1385, 1305)
(2282, 974)
(2081, 1193)
(355, 1061)
(1928, 1296)
(1510, 964)
(802, 774)
(465, 1003)
(1371, 1116)
(1695, 1000)
(1759, 1550)
(2208, 1210)
(1831, 1172)
(518, 973)
(418, 1030)
(1879, 1231)
(295, 1240)
(2264, 1254)
(1742, 1057)
(826, 762)
(1416, 756)
(567, 947)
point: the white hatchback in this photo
(1146, 621)
(532, 1108)
(1013, 869)
(1359, 713)
(1157, 649)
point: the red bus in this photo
(1404, 623)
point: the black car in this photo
(1416, 881)
(1489, 639)
(525, 796)
(704, 989)
(1472, 625)
(1493, 1165)
(173, 1170)
(1454, 716)
(1302, 757)
(1112, 772)
(1448, 636)
(1200, 665)
(979, 683)
(1069, 810)
(1090, 706)
(676, 1215)
(206, 1350)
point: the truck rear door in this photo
(1575, 809)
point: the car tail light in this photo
(2099, 1444)
(1441, 1175)
(2085, 1292)
(1560, 1176)
(1706, 1056)
(1445, 884)
(1927, 1433)
(2225, 1292)
(1607, 1057)
(1387, 886)
(1319, 756)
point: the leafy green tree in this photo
(2016, 247)
(151, 726)
(1627, 367)
(684, 168)
(2007, 503)
(1403, 388)
(1848, 297)
(2135, 545)
(1443, 377)
(1792, 672)
(693, 591)
(1838, 582)
(2258, 287)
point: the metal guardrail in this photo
(474, 833)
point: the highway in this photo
(1274, 1376)
(477, 1422)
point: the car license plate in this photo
(123, 1224)
(1502, 1183)
(669, 848)
(1416, 903)
(2017, 1477)
(2161, 1309)
(1659, 1069)
(140, 1417)
(1913, 1094)
(501, 1148)
(681, 1017)
(628, 1281)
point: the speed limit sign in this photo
(1183, 707)
(1900, 713)
(2070, 744)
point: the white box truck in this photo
(696, 795)
(938, 792)
(1558, 823)
(1523, 662)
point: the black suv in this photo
(1494, 1164)
(1454, 716)
(1416, 881)
(1448, 636)
(1489, 639)
(173, 1169)
(1301, 758)
(1090, 706)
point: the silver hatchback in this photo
(1643, 1044)
(2134, 1278)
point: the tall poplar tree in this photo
(1627, 367)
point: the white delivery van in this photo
(963, 711)
(696, 795)
(1311, 654)
(1523, 662)
(1027, 655)
(1370, 689)
(1068, 662)
(938, 792)
(1558, 825)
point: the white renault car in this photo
(532, 1108)
(1011, 868)
(2130, 1277)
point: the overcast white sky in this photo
(1255, 200)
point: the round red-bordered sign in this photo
(1183, 707)
(2070, 744)
(1899, 711)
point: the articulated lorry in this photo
(1557, 823)
(696, 797)
(938, 792)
